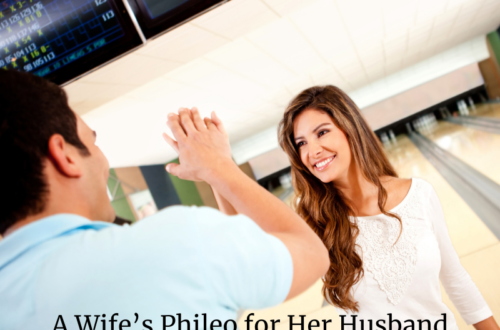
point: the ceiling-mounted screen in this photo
(63, 39)
(158, 16)
(157, 8)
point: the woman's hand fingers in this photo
(218, 123)
(208, 123)
(201, 151)
(187, 122)
(212, 127)
(174, 124)
(198, 122)
(171, 142)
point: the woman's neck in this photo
(355, 187)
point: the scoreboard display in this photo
(156, 8)
(159, 16)
(63, 39)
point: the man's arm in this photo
(309, 255)
(204, 154)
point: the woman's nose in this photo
(315, 148)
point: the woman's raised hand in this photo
(214, 120)
(202, 145)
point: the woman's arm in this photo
(457, 283)
(224, 205)
(488, 324)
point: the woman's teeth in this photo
(324, 163)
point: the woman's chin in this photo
(326, 178)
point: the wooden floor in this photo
(477, 247)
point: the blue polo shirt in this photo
(183, 260)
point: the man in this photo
(64, 266)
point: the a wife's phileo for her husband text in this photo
(202, 322)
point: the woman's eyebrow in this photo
(319, 126)
(314, 130)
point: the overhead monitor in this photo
(158, 16)
(63, 39)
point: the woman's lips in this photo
(320, 166)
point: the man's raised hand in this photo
(202, 145)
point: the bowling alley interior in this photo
(424, 74)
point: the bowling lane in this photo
(487, 110)
(477, 148)
(467, 231)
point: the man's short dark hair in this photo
(32, 109)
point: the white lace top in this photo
(403, 278)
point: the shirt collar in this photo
(43, 230)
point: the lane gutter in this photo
(479, 192)
(490, 125)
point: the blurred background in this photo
(424, 73)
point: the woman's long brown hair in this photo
(322, 205)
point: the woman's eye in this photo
(322, 133)
(300, 144)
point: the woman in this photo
(387, 237)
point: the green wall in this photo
(186, 190)
(494, 40)
(120, 203)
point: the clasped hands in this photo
(202, 145)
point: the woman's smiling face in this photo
(322, 146)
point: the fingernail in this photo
(171, 114)
(166, 168)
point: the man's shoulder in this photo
(166, 231)
(199, 216)
(170, 236)
(206, 226)
(178, 218)
(148, 246)
(173, 213)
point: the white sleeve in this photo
(458, 284)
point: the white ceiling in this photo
(471, 51)
(248, 58)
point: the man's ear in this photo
(64, 156)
